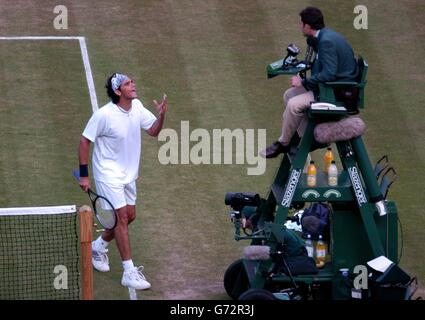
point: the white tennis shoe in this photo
(134, 278)
(100, 259)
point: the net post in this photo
(86, 235)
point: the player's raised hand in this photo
(162, 106)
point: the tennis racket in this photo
(103, 209)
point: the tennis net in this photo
(39, 253)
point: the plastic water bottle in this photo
(309, 246)
(320, 251)
(327, 159)
(333, 174)
(311, 174)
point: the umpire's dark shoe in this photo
(273, 150)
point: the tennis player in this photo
(115, 130)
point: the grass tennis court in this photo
(210, 58)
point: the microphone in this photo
(256, 253)
(308, 55)
(341, 130)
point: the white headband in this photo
(117, 80)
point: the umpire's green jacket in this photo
(335, 60)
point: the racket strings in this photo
(105, 213)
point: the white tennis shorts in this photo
(119, 195)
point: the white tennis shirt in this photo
(117, 141)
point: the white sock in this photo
(128, 264)
(99, 243)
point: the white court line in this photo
(133, 293)
(89, 75)
(84, 55)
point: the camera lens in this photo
(228, 198)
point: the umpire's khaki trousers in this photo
(297, 101)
